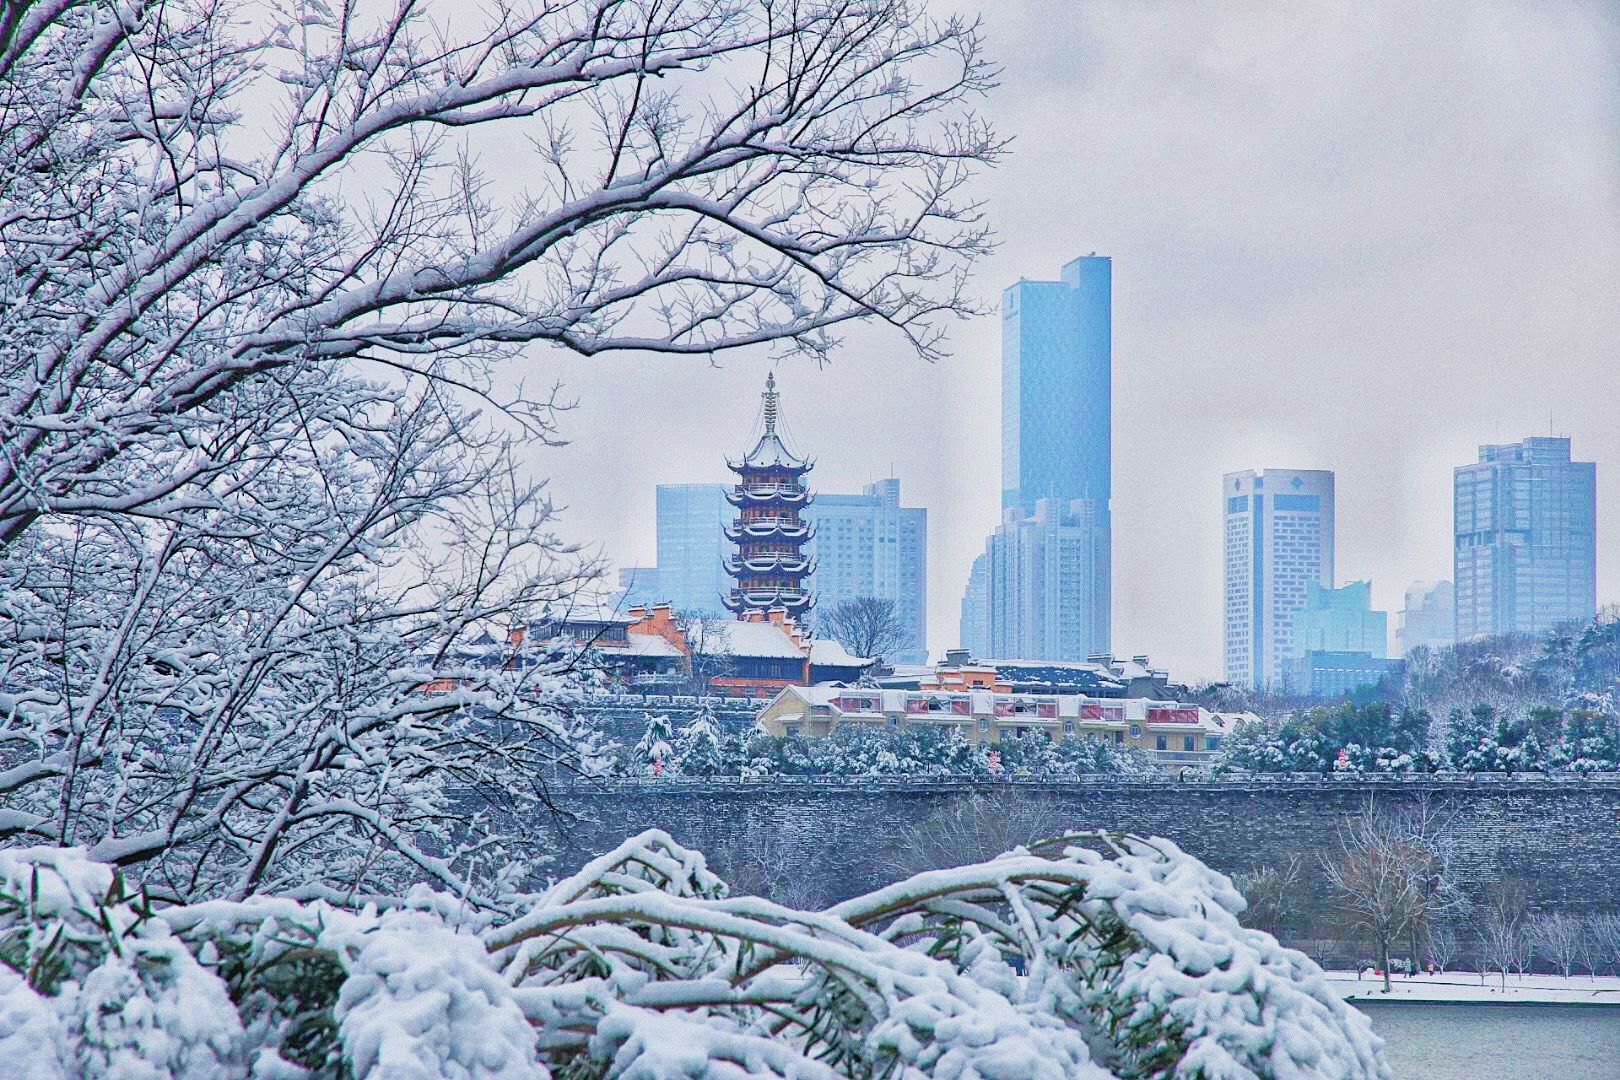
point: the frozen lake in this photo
(1498, 1042)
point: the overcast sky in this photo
(1362, 236)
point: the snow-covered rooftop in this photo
(650, 645)
(830, 652)
(743, 639)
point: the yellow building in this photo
(1172, 731)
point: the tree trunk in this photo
(1383, 958)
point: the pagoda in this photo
(770, 565)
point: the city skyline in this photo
(1362, 282)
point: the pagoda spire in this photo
(770, 403)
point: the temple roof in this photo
(771, 450)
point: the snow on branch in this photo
(641, 965)
(194, 195)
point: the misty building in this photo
(1056, 432)
(974, 630)
(1278, 541)
(692, 547)
(1429, 617)
(1046, 583)
(1340, 620)
(1525, 532)
(638, 585)
(870, 545)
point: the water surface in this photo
(1498, 1042)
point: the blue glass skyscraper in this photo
(1525, 539)
(1045, 592)
(1056, 375)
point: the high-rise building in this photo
(692, 548)
(1042, 574)
(1056, 371)
(1525, 530)
(1278, 541)
(1340, 620)
(770, 565)
(974, 632)
(1429, 618)
(1056, 432)
(870, 545)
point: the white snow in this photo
(1465, 986)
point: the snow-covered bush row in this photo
(1375, 738)
(702, 749)
(1086, 957)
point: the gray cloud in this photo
(1364, 237)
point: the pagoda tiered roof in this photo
(771, 451)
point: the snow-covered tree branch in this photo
(643, 964)
(194, 195)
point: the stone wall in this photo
(833, 839)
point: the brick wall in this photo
(1558, 835)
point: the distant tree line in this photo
(1507, 704)
(703, 749)
(1381, 738)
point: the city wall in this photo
(833, 838)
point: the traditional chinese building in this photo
(770, 564)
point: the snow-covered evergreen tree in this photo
(698, 750)
(655, 752)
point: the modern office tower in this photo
(1525, 554)
(974, 632)
(1056, 372)
(1043, 580)
(1340, 620)
(1429, 617)
(1055, 386)
(692, 547)
(870, 545)
(1278, 541)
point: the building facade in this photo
(1328, 674)
(870, 545)
(1341, 620)
(1174, 732)
(1429, 617)
(1278, 541)
(1525, 539)
(692, 549)
(974, 631)
(1046, 578)
(1056, 453)
(770, 565)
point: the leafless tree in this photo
(1443, 944)
(1389, 875)
(1558, 938)
(708, 644)
(177, 219)
(1503, 929)
(249, 506)
(1271, 893)
(978, 826)
(1604, 931)
(868, 626)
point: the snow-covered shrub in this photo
(1082, 958)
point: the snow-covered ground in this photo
(1465, 986)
